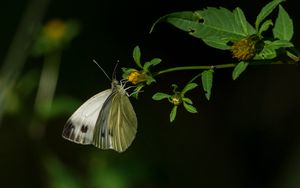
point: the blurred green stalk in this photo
(20, 48)
(45, 93)
(47, 84)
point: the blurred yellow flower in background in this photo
(55, 29)
(55, 35)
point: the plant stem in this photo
(48, 81)
(195, 77)
(45, 93)
(222, 66)
(293, 54)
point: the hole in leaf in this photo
(201, 21)
(191, 31)
(229, 43)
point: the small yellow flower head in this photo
(55, 29)
(176, 99)
(245, 49)
(136, 77)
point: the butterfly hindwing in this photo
(116, 126)
(80, 126)
(126, 122)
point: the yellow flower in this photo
(136, 77)
(245, 49)
(55, 29)
(176, 99)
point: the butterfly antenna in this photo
(101, 69)
(115, 70)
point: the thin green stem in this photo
(48, 82)
(222, 66)
(45, 93)
(195, 77)
(293, 54)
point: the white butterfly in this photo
(107, 120)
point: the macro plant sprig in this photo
(226, 30)
(143, 76)
(177, 98)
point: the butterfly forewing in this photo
(116, 126)
(80, 126)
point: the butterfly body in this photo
(107, 120)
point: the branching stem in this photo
(221, 66)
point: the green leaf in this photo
(220, 26)
(159, 96)
(270, 47)
(266, 53)
(239, 69)
(173, 113)
(283, 28)
(187, 100)
(150, 80)
(177, 19)
(223, 23)
(215, 26)
(189, 108)
(240, 19)
(265, 26)
(279, 44)
(207, 82)
(137, 56)
(265, 11)
(188, 87)
(153, 62)
(137, 90)
(217, 43)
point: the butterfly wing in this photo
(80, 126)
(116, 126)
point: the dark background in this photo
(245, 136)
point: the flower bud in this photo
(245, 49)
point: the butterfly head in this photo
(114, 83)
